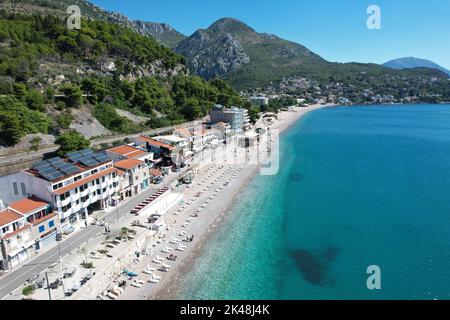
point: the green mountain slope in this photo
(247, 59)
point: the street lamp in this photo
(58, 239)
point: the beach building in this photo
(198, 139)
(26, 227)
(75, 186)
(237, 118)
(181, 153)
(259, 101)
(222, 131)
(162, 152)
(135, 180)
(129, 152)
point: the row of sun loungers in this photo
(149, 200)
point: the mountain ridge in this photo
(412, 62)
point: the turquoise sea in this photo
(359, 186)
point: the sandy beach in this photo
(205, 208)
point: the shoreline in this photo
(218, 212)
(171, 286)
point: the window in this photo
(16, 192)
(51, 224)
(41, 229)
(24, 190)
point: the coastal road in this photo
(16, 278)
(19, 276)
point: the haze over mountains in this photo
(411, 62)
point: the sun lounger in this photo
(111, 295)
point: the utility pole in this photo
(48, 287)
(60, 261)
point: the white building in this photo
(74, 186)
(259, 101)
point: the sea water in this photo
(358, 186)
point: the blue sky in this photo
(334, 29)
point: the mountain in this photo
(235, 51)
(411, 62)
(232, 50)
(161, 32)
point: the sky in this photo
(334, 29)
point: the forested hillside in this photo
(47, 70)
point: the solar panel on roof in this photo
(101, 157)
(89, 162)
(41, 165)
(86, 152)
(51, 175)
(70, 170)
(75, 157)
(55, 160)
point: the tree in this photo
(191, 110)
(34, 100)
(64, 119)
(10, 129)
(20, 91)
(94, 88)
(71, 141)
(73, 97)
(28, 291)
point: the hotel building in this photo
(75, 186)
(237, 118)
(26, 227)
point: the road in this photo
(25, 157)
(18, 277)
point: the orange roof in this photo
(128, 163)
(85, 180)
(156, 143)
(183, 131)
(127, 151)
(30, 205)
(51, 215)
(9, 235)
(155, 172)
(8, 216)
(120, 172)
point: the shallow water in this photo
(359, 186)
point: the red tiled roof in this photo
(85, 180)
(128, 163)
(155, 172)
(30, 205)
(7, 216)
(9, 235)
(120, 172)
(183, 131)
(127, 151)
(156, 143)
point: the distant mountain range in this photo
(411, 62)
(234, 51)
